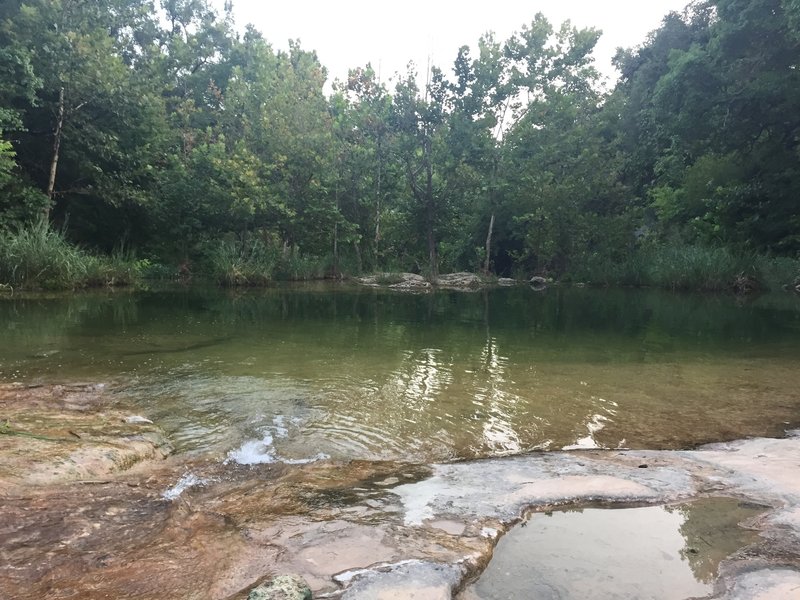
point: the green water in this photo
(359, 373)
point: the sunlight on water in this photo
(294, 374)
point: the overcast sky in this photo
(350, 33)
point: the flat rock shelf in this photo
(192, 527)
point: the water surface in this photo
(307, 371)
(658, 553)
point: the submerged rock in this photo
(54, 434)
(282, 587)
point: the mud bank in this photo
(91, 508)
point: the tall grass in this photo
(690, 268)
(234, 263)
(36, 257)
(256, 263)
(295, 266)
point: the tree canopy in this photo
(158, 125)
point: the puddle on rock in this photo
(663, 552)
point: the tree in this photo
(710, 123)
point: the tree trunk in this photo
(335, 250)
(51, 182)
(488, 257)
(430, 215)
(358, 257)
(378, 202)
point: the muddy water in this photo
(302, 373)
(664, 552)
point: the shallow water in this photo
(661, 552)
(298, 373)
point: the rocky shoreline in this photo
(411, 282)
(85, 510)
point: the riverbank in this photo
(108, 513)
(39, 258)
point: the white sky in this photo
(350, 33)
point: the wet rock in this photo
(460, 281)
(506, 282)
(538, 283)
(766, 584)
(332, 522)
(397, 281)
(416, 579)
(55, 434)
(388, 481)
(283, 587)
(137, 420)
(536, 480)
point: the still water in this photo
(296, 373)
(650, 553)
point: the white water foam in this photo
(254, 452)
(261, 452)
(184, 483)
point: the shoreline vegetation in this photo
(39, 258)
(138, 143)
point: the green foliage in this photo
(7, 162)
(296, 266)
(37, 257)
(681, 267)
(778, 272)
(250, 263)
(254, 263)
(171, 131)
(710, 121)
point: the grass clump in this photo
(255, 263)
(37, 257)
(241, 264)
(296, 266)
(696, 268)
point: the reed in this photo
(38, 257)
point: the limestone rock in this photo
(137, 420)
(538, 283)
(396, 281)
(460, 281)
(506, 282)
(282, 587)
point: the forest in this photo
(154, 139)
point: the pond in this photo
(295, 373)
